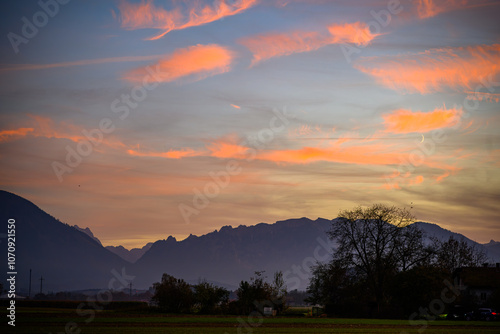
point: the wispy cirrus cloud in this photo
(406, 121)
(366, 154)
(199, 61)
(84, 62)
(482, 96)
(172, 154)
(46, 127)
(431, 8)
(184, 15)
(42, 126)
(403, 181)
(273, 45)
(8, 135)
(435, 70)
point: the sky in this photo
(144, 119)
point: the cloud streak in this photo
(146, 15)
(431, 8)
(435, 70)
(273, 45)
(42, 126)
(406, 121)
(481, 96)
(199, 61)
(84, 62)
(172, 154)
(373, 154)
(8, 135)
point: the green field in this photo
(44, 320)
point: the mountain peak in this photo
(88, 232)
(225, 228)
(67, 258)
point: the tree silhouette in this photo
(377, 242)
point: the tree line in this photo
(382, 266)
(175, 295)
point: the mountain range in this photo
(72, 258)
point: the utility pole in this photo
(29, 290)
(130, 290)
(41, 284)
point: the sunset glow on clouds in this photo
(7, 135)
(383, 104)
(436, 70)
(407, 121)
(198, 60)
(172, 154)
(374, 154)
(272, 45)
(195, 13)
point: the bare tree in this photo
(453, 254)
(378, 242)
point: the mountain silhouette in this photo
(71, 258)
(130, 255)
(66, 258)
(234, 254)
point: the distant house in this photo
(479, 282)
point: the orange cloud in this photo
(374, 154)
(41, 126)
(273, 45)
(146, 15)
(357, 33)
(199, 60)
(407, 121)
(435, 69)
(172, 154)
(362, 155)
(417, 180)
(8, 135)
(442, 176)
(227, 149)
(46, 127)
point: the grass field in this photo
(43, 320)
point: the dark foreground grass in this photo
(44, 320)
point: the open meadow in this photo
(51, 320)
